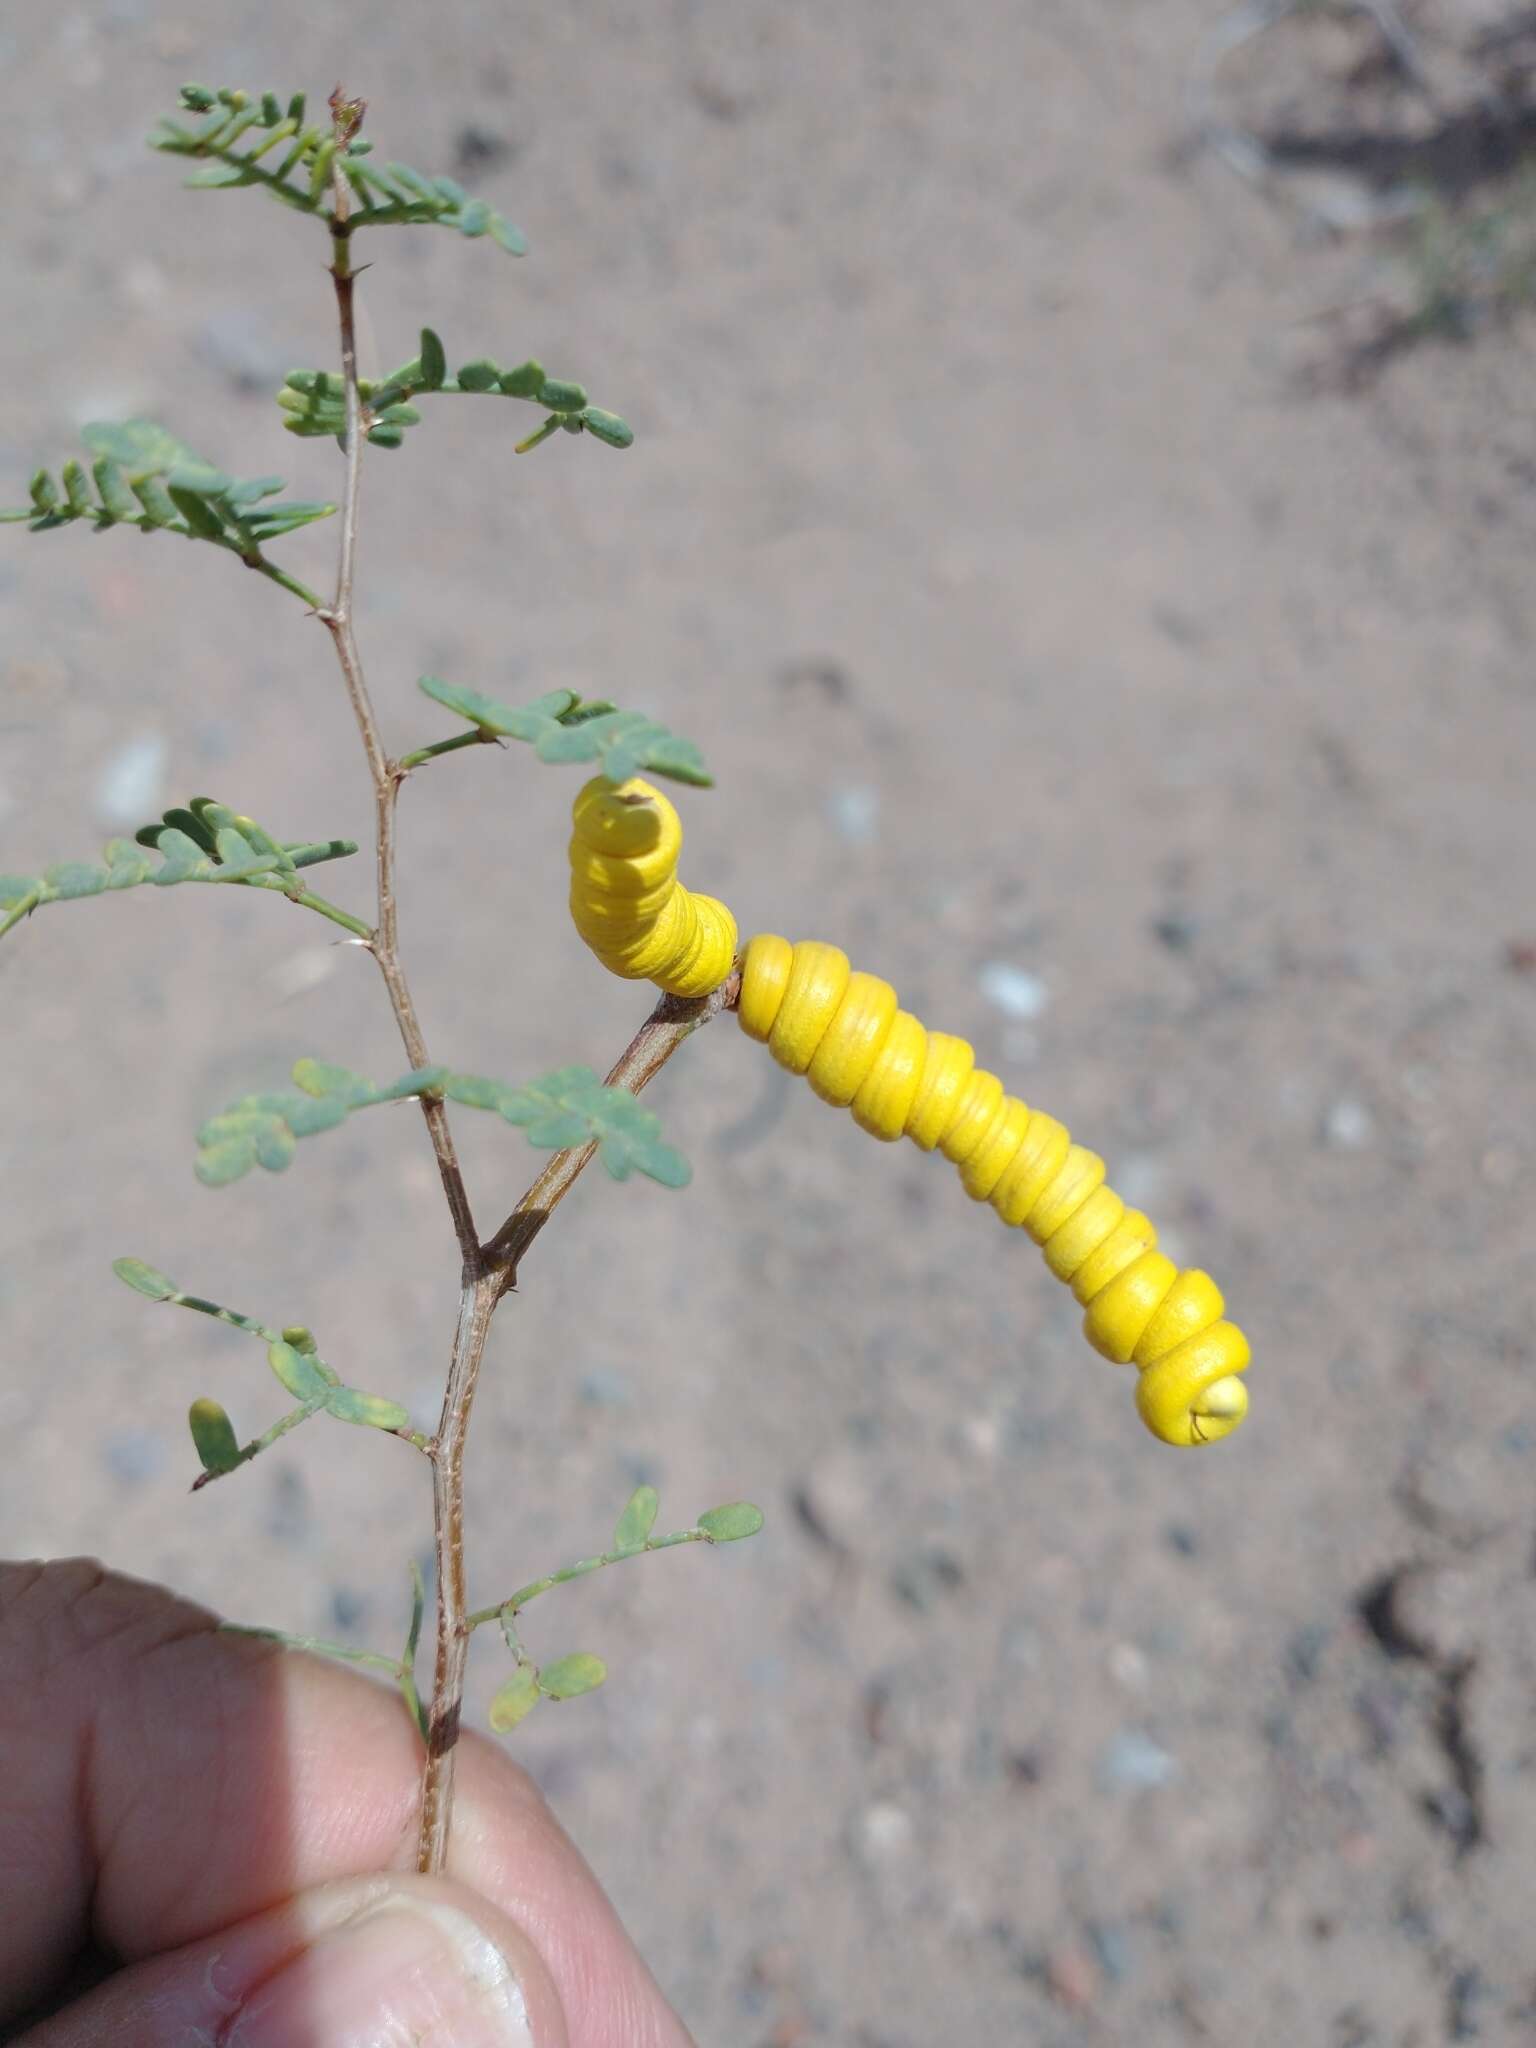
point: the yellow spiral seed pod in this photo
(626, 900)
(844, 1032)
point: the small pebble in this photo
(1013, 990)
(1134, 1762)
(1071, 1977)
(855, 813)
(923, 1580)
(1176, 930)
(302, 971)
(128, 788)
(1347, 1125)
(884, 1832)
(347, 1609)
(1112, 1946)
(1128, 1667)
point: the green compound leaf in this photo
(573, 1107)
(732, 1523)
(314, 401)
(561, 727)
(146, 478)
(213, 1437)
(568, 1677)
(205, 843)
(636, 1522)
(350, 1404)
(515, 1700)
(250, 139)
(261, 1130)
(569, 1107)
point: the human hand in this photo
(227, 1827)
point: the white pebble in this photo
(855, 813)
(1347, 1124)
(128, 788)
(1014, 990)
(1133, 1760)
(885, 1831)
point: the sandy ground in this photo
(1052, 640)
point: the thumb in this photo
(378, 1962)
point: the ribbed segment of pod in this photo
(845, 1033)
(626, 900)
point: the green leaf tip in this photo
(732, 1523)
(213, 1437)
(514, 1701)
(562, 728)
(144, 1279)
(568, 1677)
(637, 1521)
(607, 426)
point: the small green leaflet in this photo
(515, 1700)
(568, 1677)
(730, 1524)
(213, 1437)
(561, 727)
(637, 1521)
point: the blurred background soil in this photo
(1082, 505)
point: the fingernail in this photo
(402, 1970)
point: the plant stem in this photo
(672, 1020)
(516, 1602)
(384, 940)
(280, 576)
(477, 1304)
(463, 739)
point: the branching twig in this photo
(646, 1054)
(477, 1304)
(643, 1058)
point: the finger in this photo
(357, 1964)
(160, 1782)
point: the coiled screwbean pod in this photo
(862, 1053)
